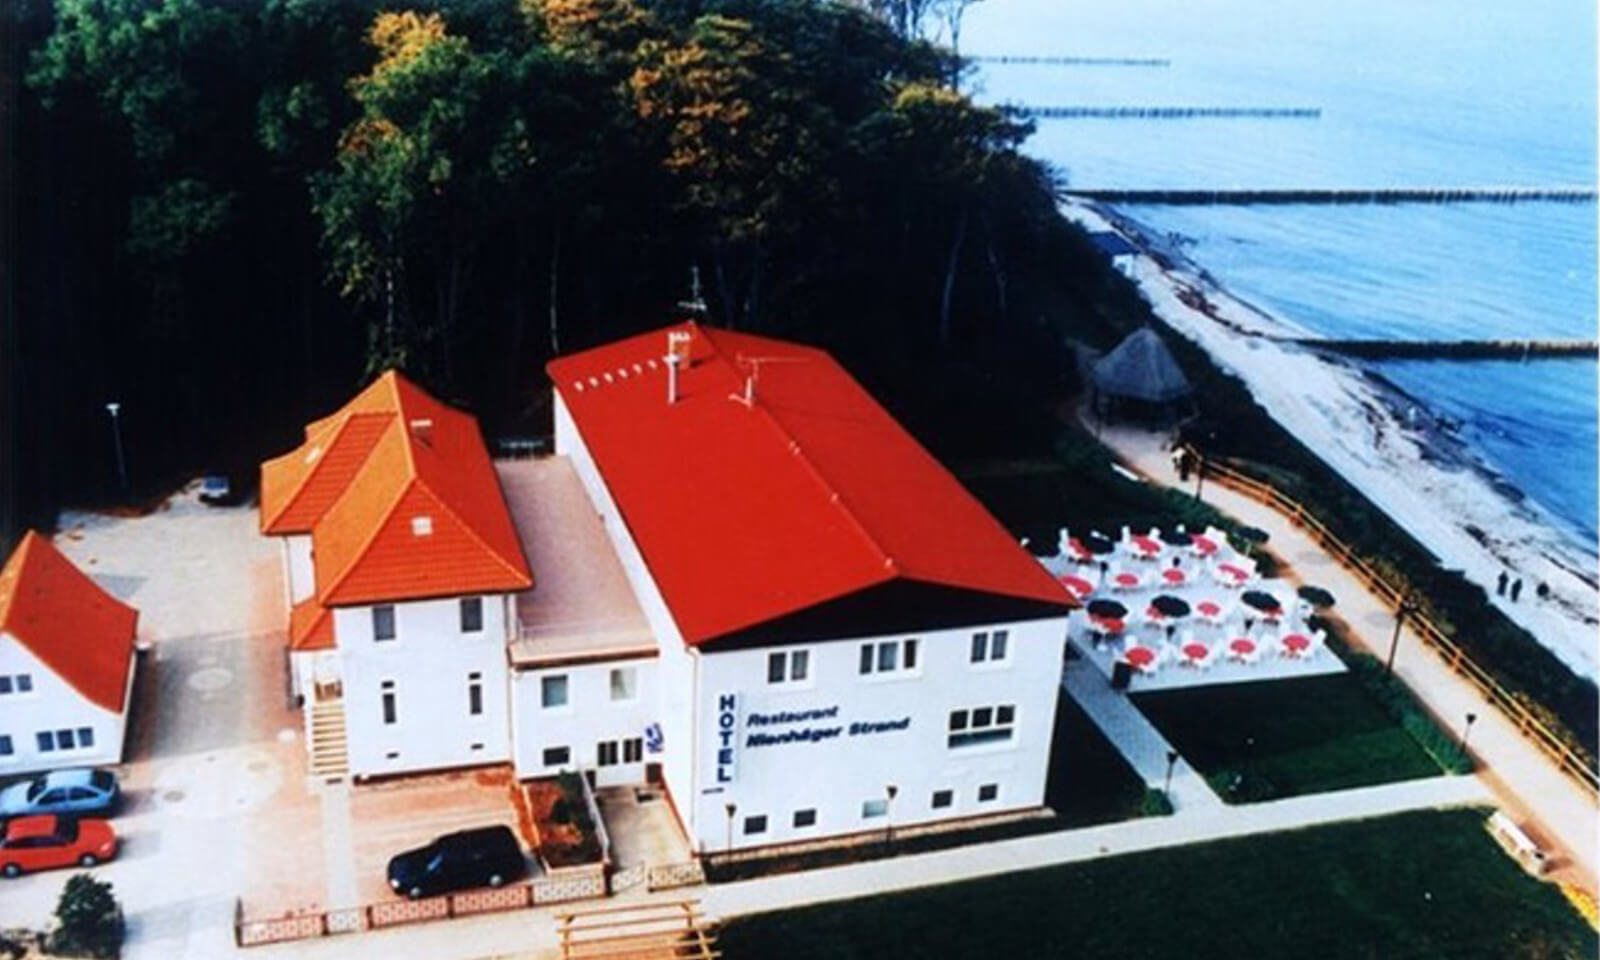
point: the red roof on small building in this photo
(401, 501)
(78, 630)
(747, 512)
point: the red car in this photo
(39, 843)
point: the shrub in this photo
(1398, 702)
(89, 919)
(1156, 803)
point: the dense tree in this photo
(236, 211)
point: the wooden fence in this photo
(1569, 760)
(568, 885)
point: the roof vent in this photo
(422, 429)
(677, 355)
(422, 526)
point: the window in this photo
(874, 808)
(65, 740)
(24, 683)
(982, 725)
(471, 614)
(16, 683)
(5, 683)
(791, 666)
(390, 714)
(6, 747)
(756, 824)
(888, 656)
(607, 753)
(85, 737)
(475, 694)
(383, 622)
(943, 799)
(553, 691)
(805, 818)
(557, 756)
(46, 740)
(989, 647)
(633, 750)
(624, 683)
(988, 792)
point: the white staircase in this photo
(330, 753)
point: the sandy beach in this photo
(1384, 444)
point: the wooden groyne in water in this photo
(1453, 349)
(1071, 61)
(1162, 113)
(1335, 195)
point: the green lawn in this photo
(1089, 781)
(1414, 886)
(1310, 735)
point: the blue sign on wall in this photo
(727, 735)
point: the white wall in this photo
(677, 666)
(589, 717)
(52, 705)
(429, 662)
(301, 577)
(834, 776)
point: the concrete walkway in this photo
(532, 933)
(1554, 809)
(1140, 743)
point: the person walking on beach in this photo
(1516, 590)
(1500, 588)
(1542, 591)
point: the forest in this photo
(225, 216)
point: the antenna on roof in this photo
(696, 304)
(748, 398)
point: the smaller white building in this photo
(400, 564)
(66, 664)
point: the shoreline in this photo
(1405, 459)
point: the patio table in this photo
(1145, 546)
(1231, 572)
(1242, 645)
(1079, 586)
(1139, 656)
(1195, 651)
(1297, 643)
(1127, 580)
(1203, 546)
(1174, 575)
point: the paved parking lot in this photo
(208, 752)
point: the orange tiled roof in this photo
(310, 626)
(79, 631)
(400, 499)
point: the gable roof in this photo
(78, 630)
(401, 501)
(745, 514)
(1142, 367)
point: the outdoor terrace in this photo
(581, 607)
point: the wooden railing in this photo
(1571, 762)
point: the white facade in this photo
(43, 727)
(299, 575)
(409, 702)
(599, 724)
(799, 748)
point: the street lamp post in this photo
(1406, 609)
(1172, 760)
(115, 408)
(731, 809)
(1467, 732)
(1199, 474)
(889, 791)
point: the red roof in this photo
(310, 626)
(400, 499)
(747, 513)
(79, 631)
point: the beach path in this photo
(1560, 814)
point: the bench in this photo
(1517, 843)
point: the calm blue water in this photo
(1426, 92)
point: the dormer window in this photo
(422, 526)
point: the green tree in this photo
(89, 921)
(439, 150)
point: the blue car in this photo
(77, 792)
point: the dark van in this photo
(487, 856)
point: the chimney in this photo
(422, 430)
(677, 354)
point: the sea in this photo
(1437, 93)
